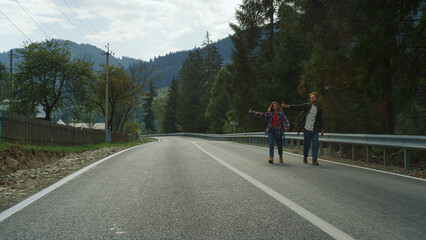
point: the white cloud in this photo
(135, 28)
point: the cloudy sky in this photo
(135, 28)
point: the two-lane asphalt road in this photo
(191, 188)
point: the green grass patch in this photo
(75, 148)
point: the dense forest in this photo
(366, 59)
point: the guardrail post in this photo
(330, 149)
(298, 144)
(353, 152)
(385, 156)
(341, 150)
(369, 153)
(407, 159)
(321, 148)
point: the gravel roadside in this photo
(21, 184)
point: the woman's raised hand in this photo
(284, 106)
(250, 111)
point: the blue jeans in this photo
(309, 136)
(271, 137)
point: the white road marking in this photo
(323, 225)
(18, 207)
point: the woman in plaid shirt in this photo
(277, 124)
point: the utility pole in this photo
(107, 130)
(11, 70)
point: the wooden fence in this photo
(15, 128)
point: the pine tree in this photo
(254, 40)
(219, 103)
(149, 113)
(197, 76)
(212, 61)
(170, 121)
(189, 112)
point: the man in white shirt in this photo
(311, 123)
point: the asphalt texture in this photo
(171, 189)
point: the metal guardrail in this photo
(406, 142)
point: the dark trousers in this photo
(272, 139)
(308, 137)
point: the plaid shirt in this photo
(282, 124)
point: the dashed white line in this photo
(315, 220)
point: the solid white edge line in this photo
(344, 164)
(315, 220)
(18, 207)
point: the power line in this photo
(53, 31)
(88, 20)
(32, 19)
(47, 26)
(15, 26)
(68, 18)
(84, 25)
(91, 24)
(75, 14)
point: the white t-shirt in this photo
(310, 118)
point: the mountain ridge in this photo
(168, 65)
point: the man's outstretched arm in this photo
(295, 107)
